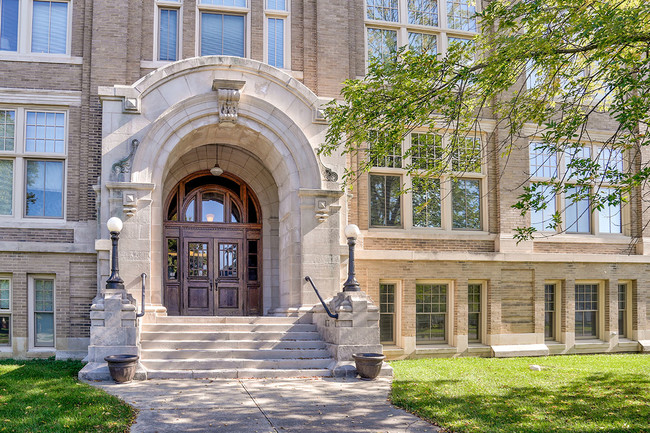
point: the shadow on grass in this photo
(45, 396)
(599, 402)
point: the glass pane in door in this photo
(228, 260)
(197, 259)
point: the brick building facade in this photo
(121, 108)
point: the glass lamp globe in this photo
(352, 231)
(114, 225)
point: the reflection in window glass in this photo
(382, 44)
(276, 5)
(622, 309)
(44, 194)
(212, 208)
(190, 211)
(423, 12)
(542, 219)
(385, 202)
(44, 312)
(228, 260)
(426, 151)
(5, 294)
(474, 312)
(577, 215)
(609, 217)
(543, 163)
(45, 132)
(431, 313)
(549, 311)
(172, 259)
(466, 154)
(392, 156)
(426, 202)
(586, 302)
(5, 330)
(387, 313)
(235, 215)
(197, 259)
(461, 15)
(7, 129)
(423, 43)
(384, 10)
(466, 206)
(6, 186)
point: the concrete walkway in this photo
(266, 406)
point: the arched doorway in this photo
(212, 233)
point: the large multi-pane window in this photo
(622, 310)
(431, 313)
(222, 26)
(586, 311)
(418, 24)
(550, 311)
(32, 163)
(169, 19)
(47, 32)
(387, 313)
(5, 311)
(574, 205)
(474, 312)
(444, 189)
(43, 310)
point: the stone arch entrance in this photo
(212, 234)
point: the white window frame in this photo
(20, 156)
(25, 17)
(560, 198)
(228, 10)
(446, 200)
(449, 315)
(442, 31)
(286, 16)
(167, 4)
(482, 332)
(31, 322)
(600, 313)
(397, 314)
(8, 312)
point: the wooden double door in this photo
(216, 272)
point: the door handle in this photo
(210, 285)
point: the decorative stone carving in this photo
(321, 210)
(228, 95)
(122, 167)
(131, 105)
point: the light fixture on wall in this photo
(216, 170)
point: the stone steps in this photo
(233, 347)
(234, 344)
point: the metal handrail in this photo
(327, 310)
(144, 279)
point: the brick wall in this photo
(37, 235)
(433, 245)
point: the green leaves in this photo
(559, 70)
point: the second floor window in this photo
(168, 30)
(223, 27)
(443, 190)
(47, 31)
(574, 206)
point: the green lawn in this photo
(45, 396)
(598, 393)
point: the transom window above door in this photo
(210, 199)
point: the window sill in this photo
(32, 222)
(40, 58)
(587, 238)
(425, 233)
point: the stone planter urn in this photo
(368, 364)
(122, 367)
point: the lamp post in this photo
(114, 282)
(352, 233)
